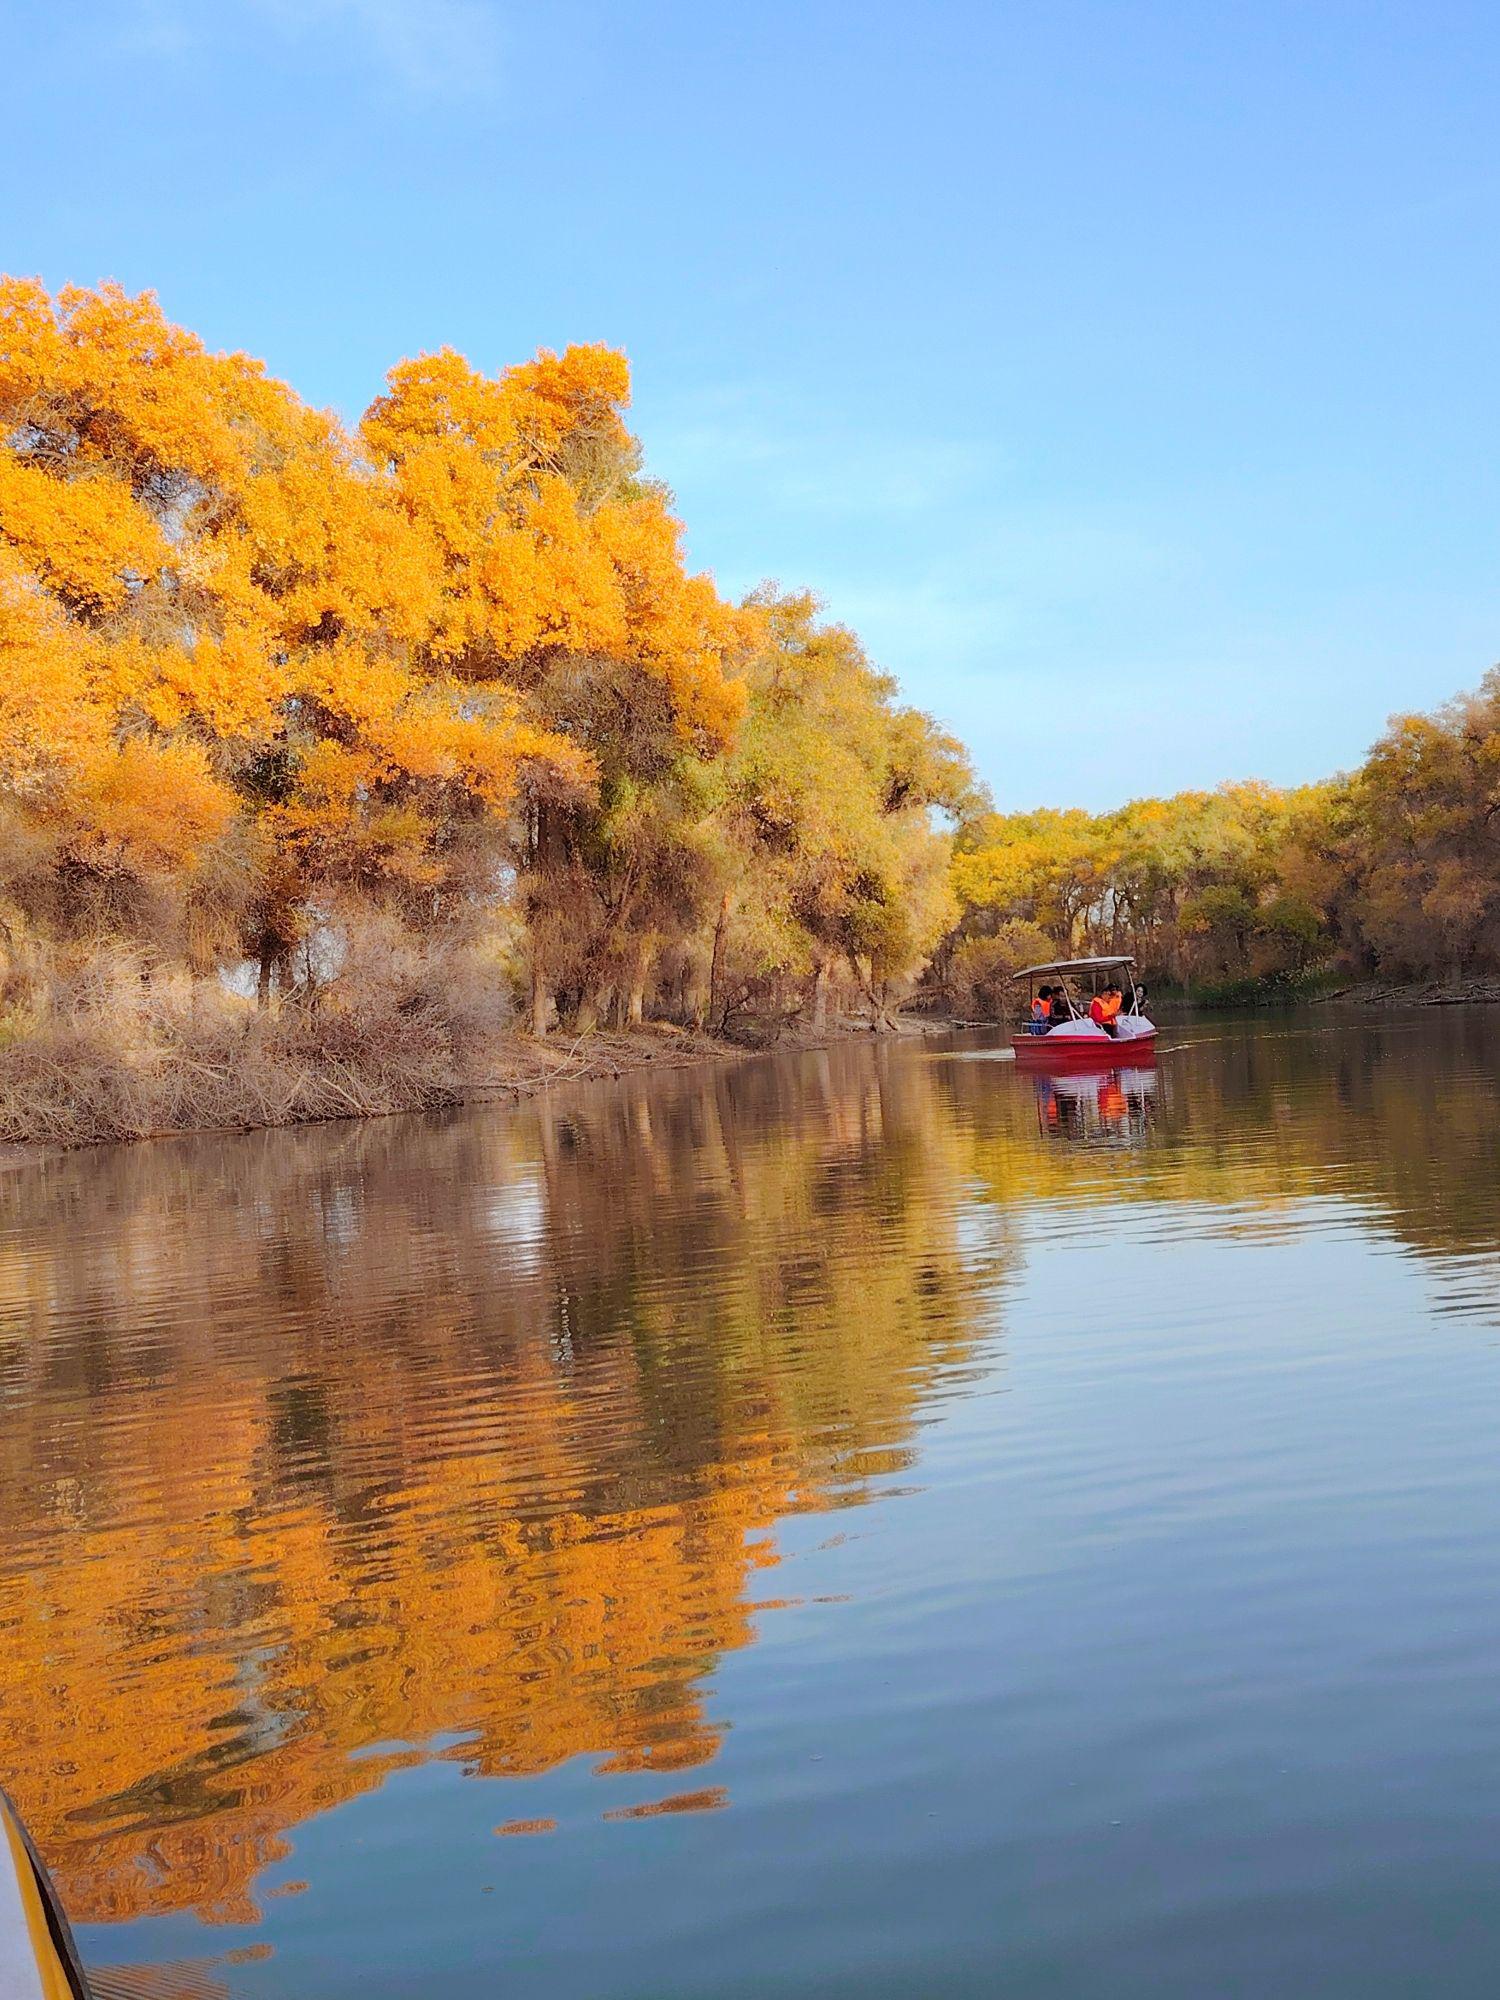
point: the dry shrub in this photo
(982, 969)
(455, 990)
(107, 1049)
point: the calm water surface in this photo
(856, 1524)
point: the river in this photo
(862, 1523)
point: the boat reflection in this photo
(1109, 1107)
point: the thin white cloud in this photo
(154, 28)
(430, 46)
(427, 47)
(805, 466)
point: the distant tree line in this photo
(1391, 870)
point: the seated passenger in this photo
(1041, 1008)
(1059, 1010)
(1104, 1007)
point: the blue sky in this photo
(1126, 374)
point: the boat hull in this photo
(1084, 1051)
(38, 1958)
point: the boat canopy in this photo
(1109, 964)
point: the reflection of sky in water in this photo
(795, 1528)
(517, 1216)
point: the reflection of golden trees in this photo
(463, 1434)
(326, 1451)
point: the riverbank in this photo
(291, 1072)
(1482, 991)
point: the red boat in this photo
(1072, 1040)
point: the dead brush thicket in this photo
(109, 1050)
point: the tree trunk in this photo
(590, 1005)
(635, 999)
(538, 994)
(820, 996)
(694, 1002)
(716, 963)
(880, 1014)
(263, 981)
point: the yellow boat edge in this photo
(38, 1958)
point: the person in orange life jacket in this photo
(1105, 1006)
(1041, 1009)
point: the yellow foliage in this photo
(548, 542)
(85, 538)
(368, 654)
(141, 805)
(198, 573)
